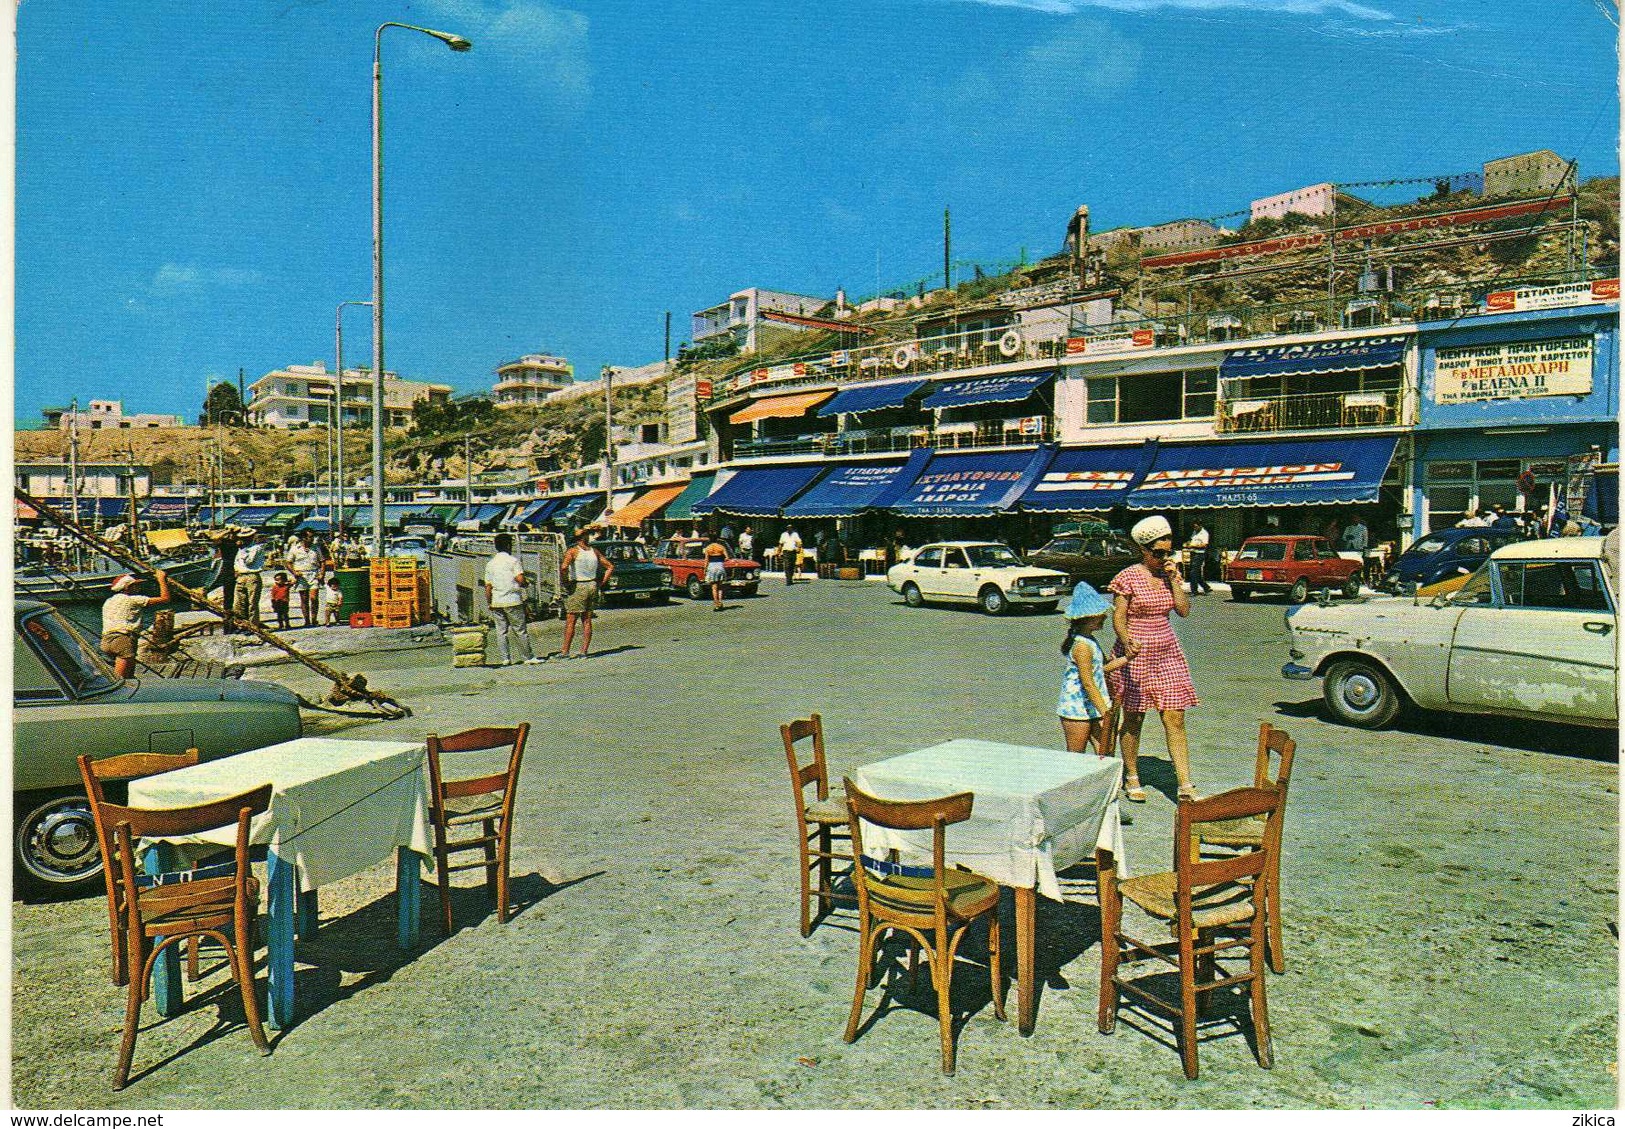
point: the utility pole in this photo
(609, 440)
(468, 477)
(242, 398)
(947, 245)
(668, 338)
(73, 466)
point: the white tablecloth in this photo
(337, 807)
(1036, 810)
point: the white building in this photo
(1529, 174)
(1315, 200)
(107, 415)
(530, 380)
(302, 396)
(740, 317)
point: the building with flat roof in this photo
(106, 415)
(530, 380)
(741, 316)
(1529, 174)
(1315, 200)
(302, 396)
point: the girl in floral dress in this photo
(1156, 676)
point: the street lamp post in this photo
(609, 442)
(338, 408)
(456, 43)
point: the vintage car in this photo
(1531, 634)
(68, 701)
(1097, 559)
(686, 560)
(984, 573)
(636, 577)
(1291, 563)
(1444, 554)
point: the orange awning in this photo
(781, 407)
(646, 505)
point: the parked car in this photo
(1444, 554)
(984, 573)
(636, 577)
(413, 546)
(1096, 559)
(686, 560)
(1293, 564)
(1531, 634)
(68, 701)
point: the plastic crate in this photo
(361, 619)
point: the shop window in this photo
(1102, 399)
(1201, 391)
(1155, 396)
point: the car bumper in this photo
(1030, 597)
(1298, 672)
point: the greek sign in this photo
(1514, 371)
(1553, 297)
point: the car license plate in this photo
(640, 595)
(1049, 591)
(1255, 574)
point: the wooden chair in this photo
(160, 910)
(97, 774)
(1197, 898)
(934, 908)
(484, 800)
(821, 820)
(1249, 833)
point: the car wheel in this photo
(696, 590)
(912, 597)
(1300, 591)
(56, 847)
(1237, 592)
(992, 600)
(1361, 694)
(1351, 587)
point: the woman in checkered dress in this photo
(1157, 676)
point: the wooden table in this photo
(1037, 811)
(337, 808)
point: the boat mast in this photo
(73, 469)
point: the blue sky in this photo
(194, 178)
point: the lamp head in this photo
(457, 42)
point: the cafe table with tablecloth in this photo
(337, 808)
(1036, 812)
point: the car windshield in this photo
(79, 664)
(991, 556)
(1063, 545)
(1429, 545)
(1263, 551)
(1475, 591)
(623, 551)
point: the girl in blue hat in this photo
(1085, 702)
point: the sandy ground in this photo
(1450, 898)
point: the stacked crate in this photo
(400, 592)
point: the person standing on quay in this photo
(1198, 545)
(747, 544)
(121, 619)
(250, 580)
(583, 571)
(505, 582)
(716, 569)
(1157, 677)
(790, 553)
(306, 566)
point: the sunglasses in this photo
(1162, 554)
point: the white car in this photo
(1531, 634)
(984, 573)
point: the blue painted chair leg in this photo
(279, 946)
(166, 970)
(408, 895)
(306, 919)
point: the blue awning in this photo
(209, 514)
(1288, 472)
(112, 507)
(846, 491)
(164, 509)
(699, 486)
(759, 491)
(1088, 478)
(986, 390)
(1315, 356)
(485, 511)
(871, 397)
(400, 511)
(533, 513)
(583, 507)
(978, 484)
(255, 516)
(314, 525)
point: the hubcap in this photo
(60, 843)
(1360, 691)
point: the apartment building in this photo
(302, 396)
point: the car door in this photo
(926, 571)
(958, 579)
(1545, 645)
(1064, 554)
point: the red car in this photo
(686, 559)
(1296, 565)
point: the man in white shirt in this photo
(789, 553)
(250, 564)
(1198, 544)
(505, 582)
(121, 619)
(306, 567)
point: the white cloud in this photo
(544, 45)
(1345, 8)
(180, 278)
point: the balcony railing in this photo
(882, 441)
(1302, 413)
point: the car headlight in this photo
(751, 574)
(665, 577)
(611, 583)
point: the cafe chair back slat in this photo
(1273, 769)
(161, 910)
(474, 813)
(821, 819)
(96, 775)
(1211, 908)
(935, 908)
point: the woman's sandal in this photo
(1132, 791)
(1189, 792)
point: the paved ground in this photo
(1450, 894)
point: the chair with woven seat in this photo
(935, 907)
(484, 803)
(163, 909)
(97, 775)
(1249, 834)
(821, 820)
(1199, 898)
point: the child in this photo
(280, 591)
(1085, 703)
(332, 601)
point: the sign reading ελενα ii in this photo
(1514, 371)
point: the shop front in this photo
(968, 495)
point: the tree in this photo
(222, 405)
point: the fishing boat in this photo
(80, 591)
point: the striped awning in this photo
(647, 504)
(781, 407)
